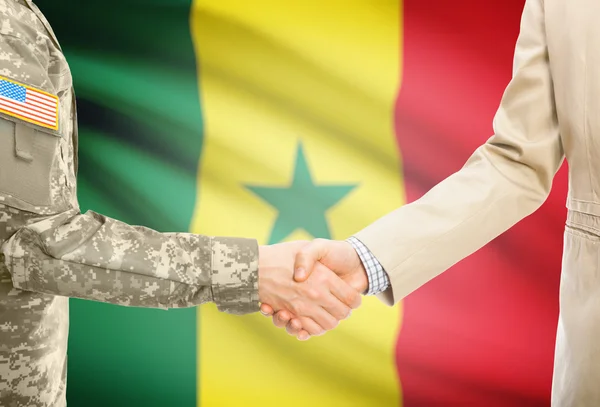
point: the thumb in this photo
(307, 257)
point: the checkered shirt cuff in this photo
(378, 278)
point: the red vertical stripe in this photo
(483, 333)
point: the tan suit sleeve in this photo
(505, 180)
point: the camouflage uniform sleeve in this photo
(94, 257)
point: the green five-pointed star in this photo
(301, 205)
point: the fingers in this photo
(311, 327)
(309, 309)
(323, 307)
(294, 327)
(303, 335)
(335, 308)
(307, 257)
(344, 292)
(343, 295)
(266, 310)
(281, 319)
(324, 320)
(320, 299)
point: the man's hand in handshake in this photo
(318, 259)
(316, 304)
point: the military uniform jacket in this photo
(51, 251)
(550, 109)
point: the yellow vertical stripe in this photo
(273, 74)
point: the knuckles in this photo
(353, 300)
(298, 306)
(313, 294)
(343, 314)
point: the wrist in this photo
(360, 279)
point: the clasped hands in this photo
(309, 287)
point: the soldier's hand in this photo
(318, 304)
(284, 319)
(338, 256)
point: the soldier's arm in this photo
(94, 257)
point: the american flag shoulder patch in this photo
(29, 104)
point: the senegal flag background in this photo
(297, 119)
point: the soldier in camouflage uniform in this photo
(51, 251)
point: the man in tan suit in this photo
(550, 109)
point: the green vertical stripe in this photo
(140, 126)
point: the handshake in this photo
(309, 287)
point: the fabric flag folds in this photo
(284, 120)
(297, 100)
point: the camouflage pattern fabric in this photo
(51, 251)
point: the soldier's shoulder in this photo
(19, 21)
